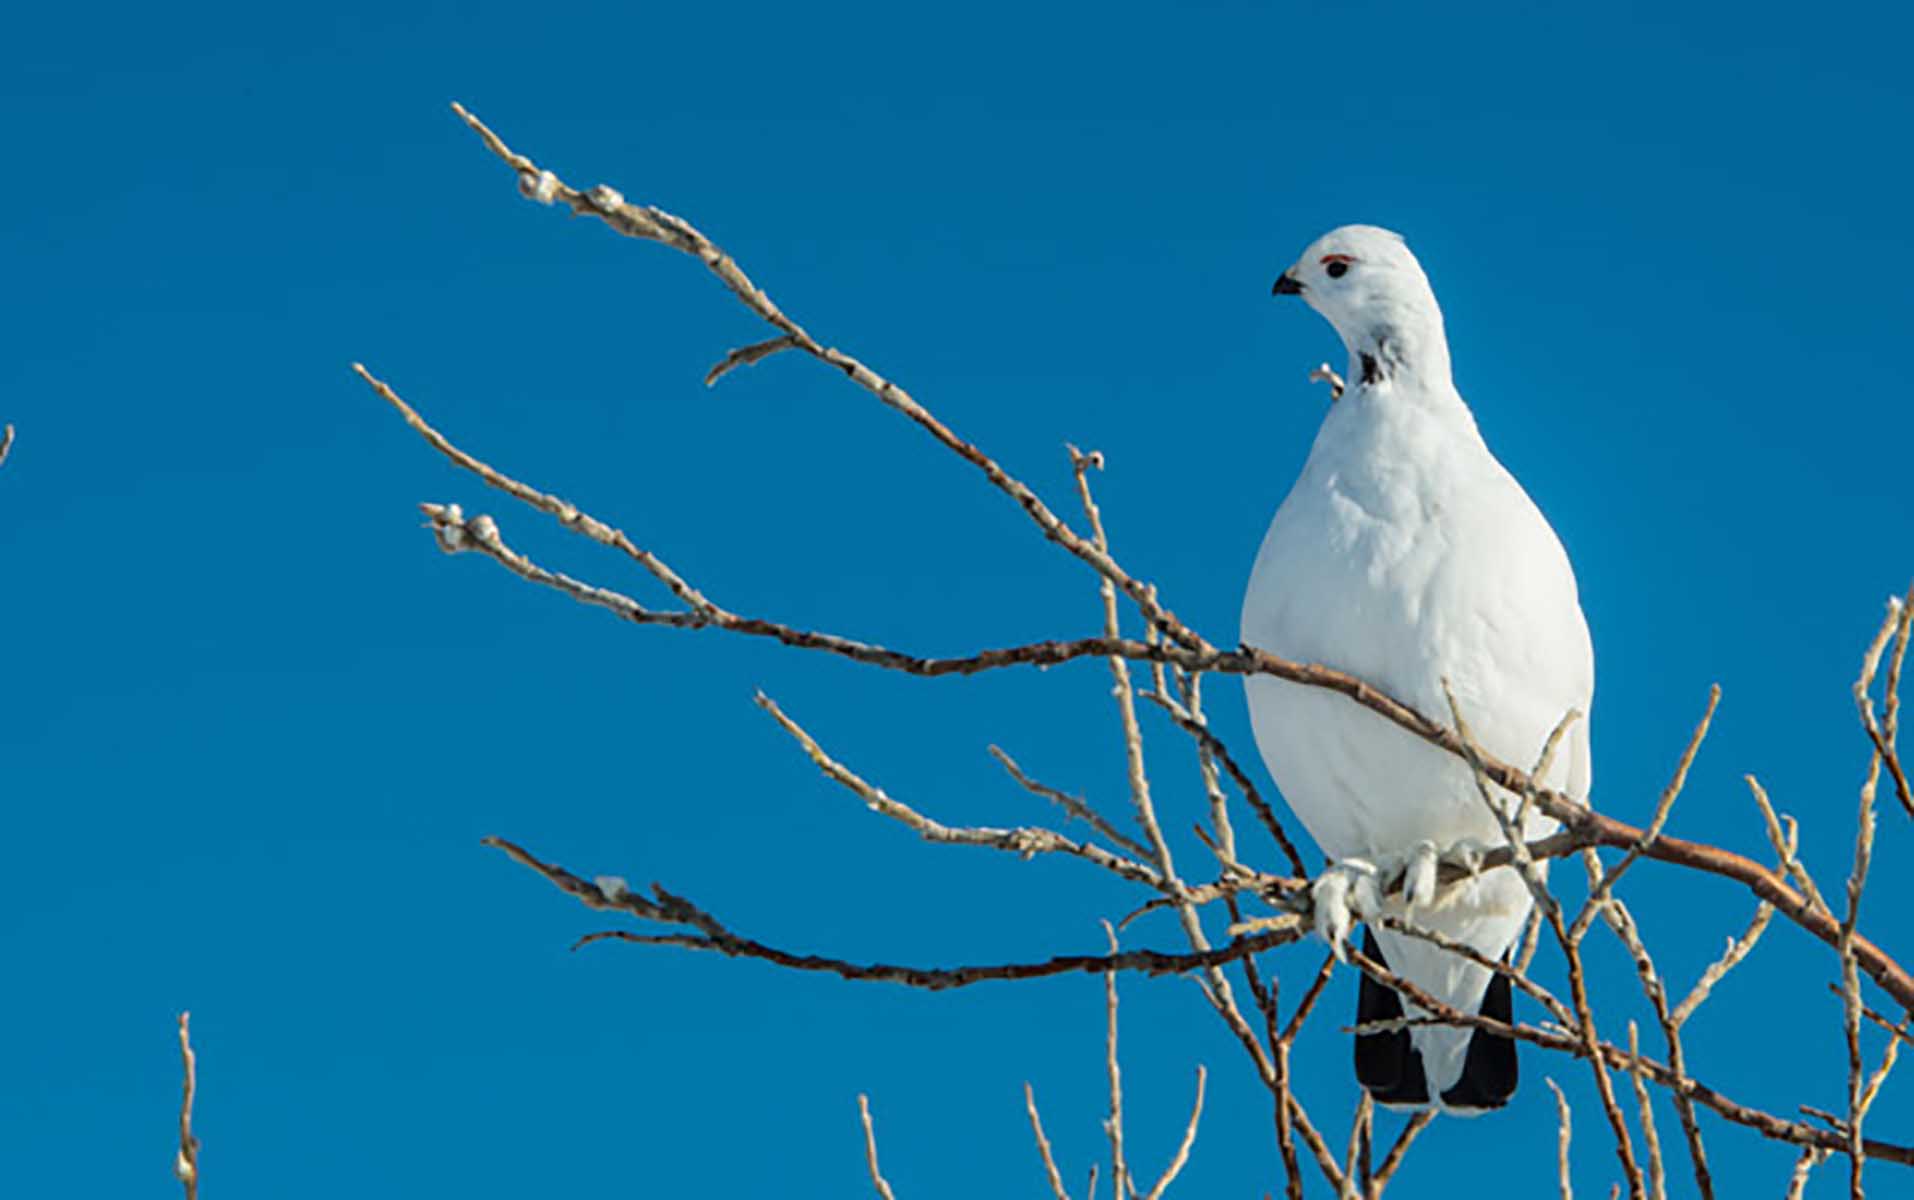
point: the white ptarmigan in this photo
(1406, 555)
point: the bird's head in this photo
(1364, 281)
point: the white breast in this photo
(1406, 555)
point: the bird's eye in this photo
(1336, 269)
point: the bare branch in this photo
(1662, 809)
(1075, 806)
(1399, 1150)
(1183, 1149)
(186, 1163)
(745, 356)
(607, 892)
(1043, 1145)
(1651, 1137)
(870, 1149)
(1900, 617)
(568, 515)
(1354, 1167)
(6, 441)
(1536, 991)
(1023, 841)
(1562, 1139)
(1585, 828)
(1194, 724)
(1737, 950)
(654, 224)
(1568, 938)
(1176, 658)
(1120, 1185)
(1767, 1124)
(1811, 1157)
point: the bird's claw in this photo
(1467, 854)
(1340, 894)
(1419, 877)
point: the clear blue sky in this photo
(254, 726)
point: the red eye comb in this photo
(1339, 258)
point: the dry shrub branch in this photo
(1215, 935)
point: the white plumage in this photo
(1407, 555)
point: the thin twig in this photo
(1651, 1137)
(745, 356)
(1216, 984)
(1399, 1150)
(186, 1162)
(1513, 831)
(1811, 1157)
(1120, 1186)
(1023, 841)
(1767, 1124)
(656, 225)
(1043, 1145)
(1562, 1139)
(1857, 883)
(1662, 809)
(1737, 950)
(1075, 806)
(1182, 1155)
(870, 1148)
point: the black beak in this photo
(1287, 285)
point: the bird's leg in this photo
(1343, 892)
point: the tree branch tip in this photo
(1093, 461)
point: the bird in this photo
(1407, 555)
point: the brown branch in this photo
(6, 442)
(1318, 1147)
(1355, 1165)
(1399, 1150)
(1767, 1124)
(186, 1163)
(663, 907)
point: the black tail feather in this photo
(1489, 1071)
(1387, 1064)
